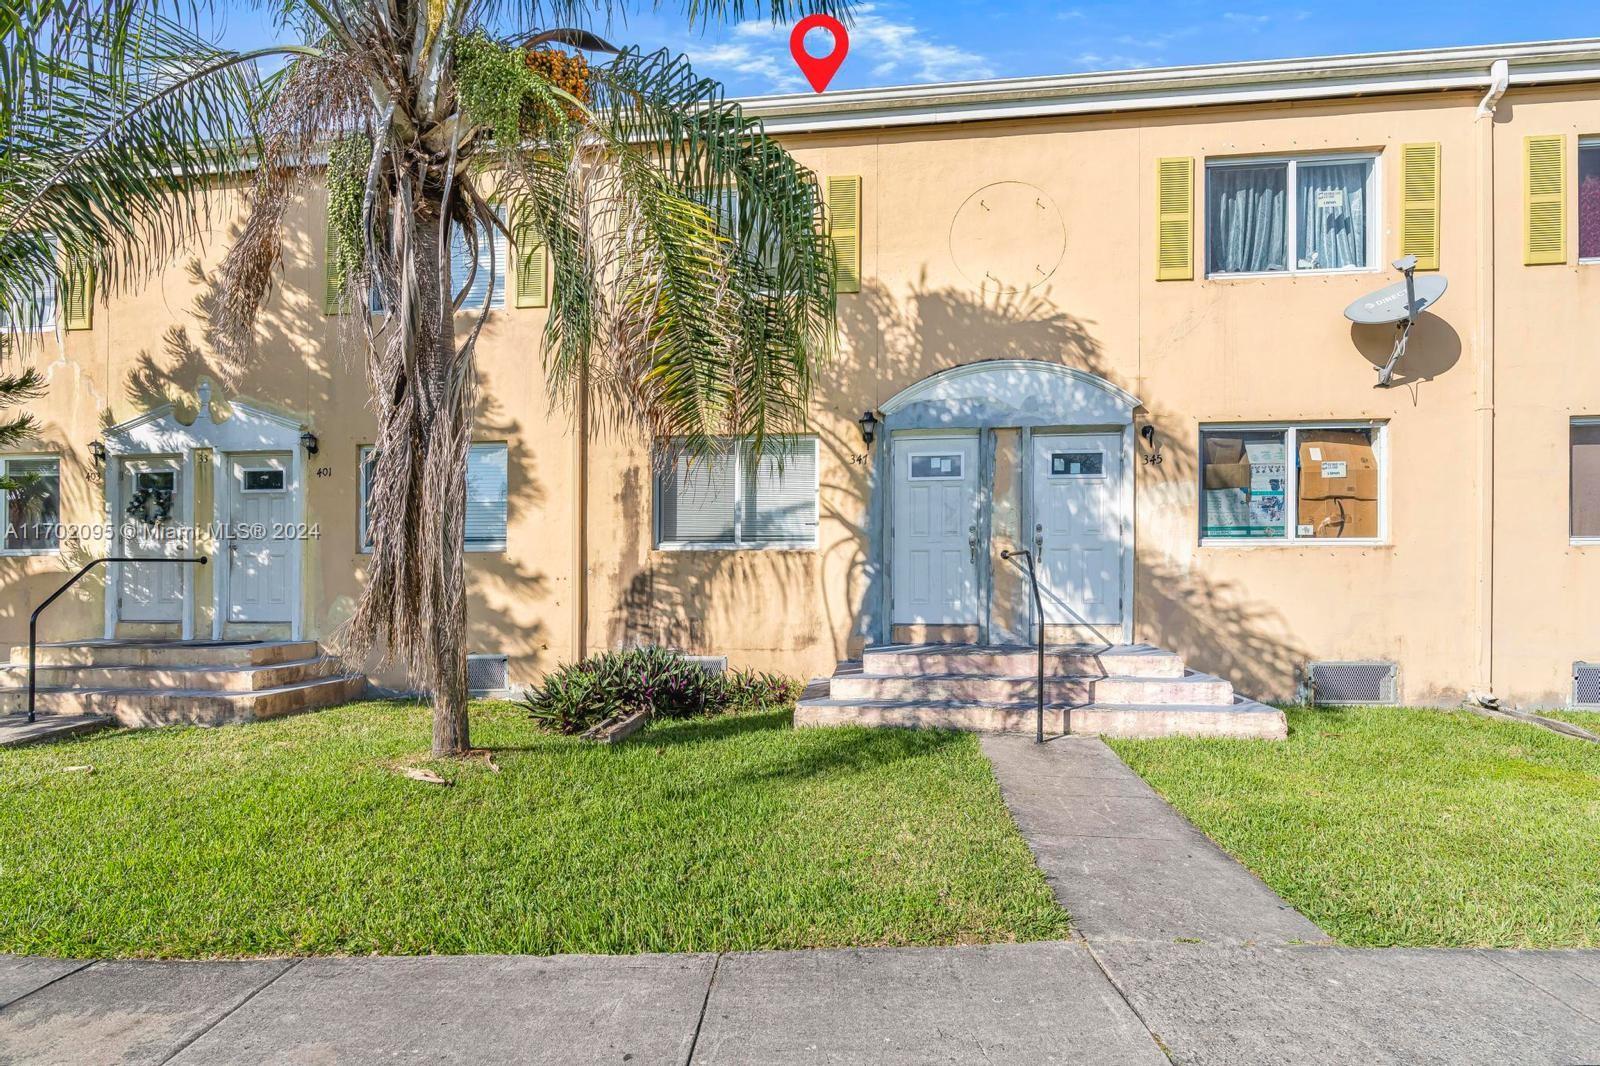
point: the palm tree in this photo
(691, 284)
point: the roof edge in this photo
(1318, 77)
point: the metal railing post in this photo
(1038, 610)
(33, 619)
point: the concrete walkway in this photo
(1122, 862)
(1183, 956)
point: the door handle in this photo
(972, 542)
(1038, 535)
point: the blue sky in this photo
(899, 43)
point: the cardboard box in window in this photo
(1224, 451)
(1228, 475)
(1336, 518)
(1337, 464)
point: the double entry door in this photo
(256, 538)
(1072, 515)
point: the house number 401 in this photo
(324, 471)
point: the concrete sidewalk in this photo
(1125, 1002)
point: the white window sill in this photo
(693, 546)
(23, 553)
(1584, 542)
(488, 550)
(1591, 261)
(1302, 542)
(1253, 274)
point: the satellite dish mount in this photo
(1401, 303)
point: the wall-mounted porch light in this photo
(869, 426)
(308, 441)
(97, 451)
(1149, 435)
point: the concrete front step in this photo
(145, 707)
(165, 676)
(1243, 718)
(168, 653)
(1011, 660)
(850, 682)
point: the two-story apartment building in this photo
(1100, 316)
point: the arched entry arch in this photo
(1019, 453)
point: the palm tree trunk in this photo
(446, 433)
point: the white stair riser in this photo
(1108, 721)
(164, 677)
(1019, 662)
(144, 709)
(264, 654)
(1211, 691)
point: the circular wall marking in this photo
(1008, 237)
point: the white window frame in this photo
(5, 466)
(740, 446)
(1592, 144)
(50, 298)
(363, 547)
(934, 453)
(1374, 197)
(1291, 494)
(1092, 449)
(1572, 423)
(244, 478)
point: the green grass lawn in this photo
(296, 837)
(1388, 826)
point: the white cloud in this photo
(891, 50)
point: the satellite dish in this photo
(1399, 304)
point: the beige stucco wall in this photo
(1267, 349)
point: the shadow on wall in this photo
(1219, 627)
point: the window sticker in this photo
(1077, 464)
(935, 466)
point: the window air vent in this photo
(711, 664)
(1352, 684)
(486, 675)
(1586, 685)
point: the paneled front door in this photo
(260, 538)
(935, 531)
(148, 528)
(1080, 529)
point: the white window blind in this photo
(487, 495)
(461, 264)
(486, 498)
(42, 303)
(737, 499)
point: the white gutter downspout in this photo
(1484, 342)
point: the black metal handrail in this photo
(33, 619)
(1038, 610)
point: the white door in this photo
(1080, 530)
(149, 527)
(935, 531)
(259, 538)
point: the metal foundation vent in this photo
(1352, 684)
(486, 675)
(1586, 685)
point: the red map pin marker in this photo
(819, 70)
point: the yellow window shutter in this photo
(1545, 199)
(1419, 203)
(78, 306)
(844, 230)
(532, 282)
(1175, 219)
(333, 297)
